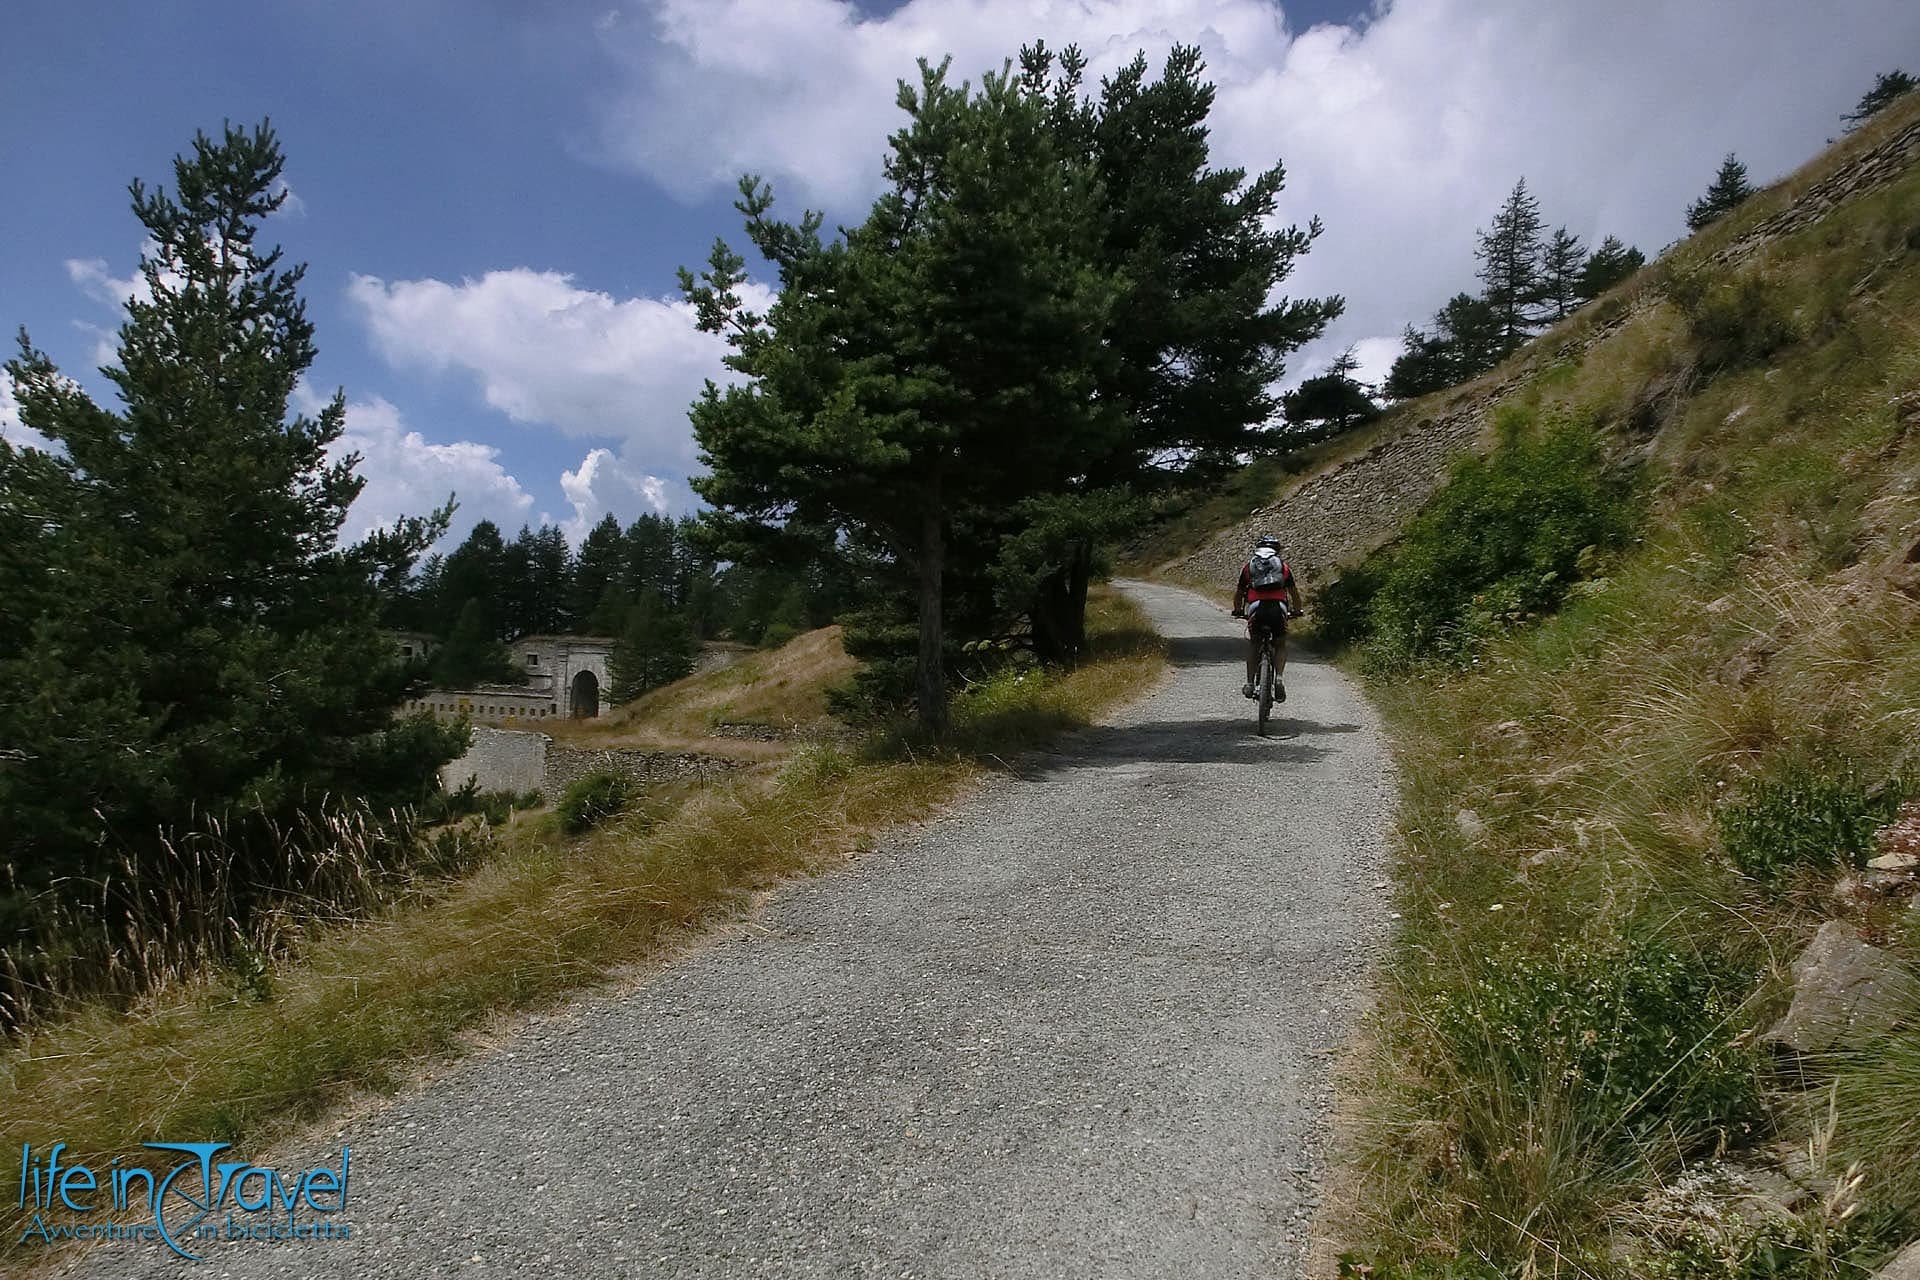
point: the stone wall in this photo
(506, 705)
(1335, 516)
(566, 765)
(502, 760)
(517, 760)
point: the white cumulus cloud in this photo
(1403, 133)
(546, 351)
(606, 484)
(408, 475)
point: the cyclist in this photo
(1265, 596)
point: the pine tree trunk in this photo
(931, 677)
(1059, 609)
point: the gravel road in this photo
(1080, 1025)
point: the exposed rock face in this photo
(514, 760)
(1887, 162)
(1332, 518)
(566, 765)
(1904, 1267)
(1845, 993)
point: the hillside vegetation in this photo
(773, 694)
(1652, 653)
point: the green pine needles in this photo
(183, 638)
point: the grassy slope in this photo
(1561, 794)
(783, 689)
(1768, 617)
(364, 1004)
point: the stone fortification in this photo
(518, 760)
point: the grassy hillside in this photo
(1654, 669)
(782, 691)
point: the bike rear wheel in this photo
(1266, 684)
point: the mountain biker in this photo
(1265, 596)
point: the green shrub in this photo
(468, 799)
(1638, 1040)
(1807, 1247)
(1735, 320)
(1502, 542)
(1805, 816)
(592, 800)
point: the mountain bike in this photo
(1263, 688)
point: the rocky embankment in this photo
(1332, 517)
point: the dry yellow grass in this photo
(783, 689)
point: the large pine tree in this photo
(1466, 341)
(655, 646)
(1887, 86)
(182, 635)
(938, 363)
(1509, 253)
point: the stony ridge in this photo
(1331, 518)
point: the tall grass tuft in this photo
(219, 896)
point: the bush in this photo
(592, 800)
(1805, 817)
(1736, 321)
(1501, 543)
(1637, 1040)
(1810, 1246)
(468, 799)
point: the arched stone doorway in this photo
(584, 703)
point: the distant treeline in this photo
(652, 584)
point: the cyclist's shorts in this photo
(1268, 614)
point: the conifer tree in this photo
(1728, 191)
(182, 635)
(1608, 265)
(599, 567)
(1561, 267)
(937, 363)
(655, 647)
(1509, 253)
(472, 653)
(1467, 340)
(1328, 403)
(550, 564)
(1887, 86)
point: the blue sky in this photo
(492, 196)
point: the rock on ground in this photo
(1845, 993)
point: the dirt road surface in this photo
(1081, 1025)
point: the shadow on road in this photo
(1226, 650)
(1215, 740)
